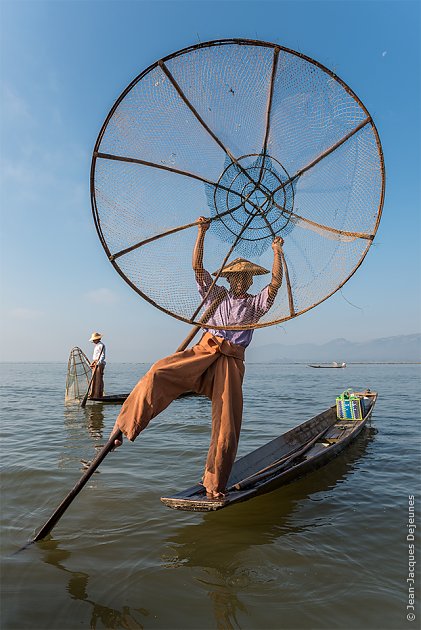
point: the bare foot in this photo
(215, 496)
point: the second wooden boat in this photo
(111, 399)
(118, 399)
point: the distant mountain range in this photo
(402, 348)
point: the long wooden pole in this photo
(60, 510)
(206, 315)
(117, 435)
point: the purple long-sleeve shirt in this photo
(233, 311)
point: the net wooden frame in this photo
(366, 123)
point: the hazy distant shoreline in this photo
(347, 365)
(400, 349)
(249, 362)
(396, 350)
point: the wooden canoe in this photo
(111, 399)
(289, 456)
(118, 399)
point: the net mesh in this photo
(78, 376)
(262, 141)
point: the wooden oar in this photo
(85, 398)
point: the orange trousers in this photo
(213, 367)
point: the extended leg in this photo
(165, 381)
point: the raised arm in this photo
(277, 270)
(197, 261)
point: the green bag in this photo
(348, 406)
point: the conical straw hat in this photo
(95, 336)
(241, 265)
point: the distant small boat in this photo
(286, 458)
(329, 365)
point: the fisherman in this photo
(214, 367)
(98, 366)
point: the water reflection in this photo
(258, 522)
(100, 616)
(217, 546)
(90, 418)
(79, 423)
(94, 418)
(225, 606)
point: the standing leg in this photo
(227, 411)
(97, 390)
(101, 369)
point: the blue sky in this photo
(63, 64)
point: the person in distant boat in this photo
(98, 366)
(214, 367)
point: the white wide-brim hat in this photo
(95, 336)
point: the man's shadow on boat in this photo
(265, 518)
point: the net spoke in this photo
(286, 272)
(163, 167)
(194, 110)
(269, 225)
(127, 250)
(289, 288)
(268, 112)
(333, 232)
(323, 155)
(270, 98)
(206, 127)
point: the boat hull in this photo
(283, 460)
(116, 399)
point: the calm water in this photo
(328, 551)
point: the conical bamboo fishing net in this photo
(262, 140)
(78, 376)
